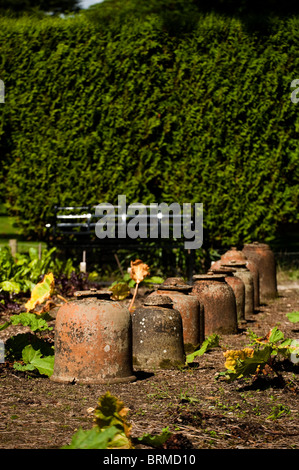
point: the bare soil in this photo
(200, 411)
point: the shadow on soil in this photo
(270, 381)
(142, 375)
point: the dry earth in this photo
(202, 412)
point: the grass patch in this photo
(287, 272)
(9, 230)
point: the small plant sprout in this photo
(259, 357)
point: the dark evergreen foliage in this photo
(98, 109)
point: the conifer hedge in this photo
(94, 111)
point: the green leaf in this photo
(132, 283)
(28, 285)
(120, 440)
(276, 335)
(253, 336)
(293, 317)
(15, 344)
(45, 365)
(5, 325)
(120, 291)
(23, 367)
(278, 411)
(286, 343)
(153, 280)
(11, 287)
(155, 441)
(29, 354)
(35, 322)
(211, 342)
(33, 253)
(33, 360)
(284, 348)
(92, 438)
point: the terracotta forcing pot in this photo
(93, 341)
(190, 309)
(263, 257)
(238, 287)
(157, 335)
(238, 255)
(245, 275)
(233, 254)
(218, 300)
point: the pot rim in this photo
(209, 276)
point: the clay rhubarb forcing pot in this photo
(263, 257)
(238, 287)
(93, 341)
(219, 303)
(237, 255)
(157, 335)
(245, 275)
(190, 309)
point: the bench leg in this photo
(190, 264)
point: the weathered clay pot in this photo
(245, 275)
(263, 257)
(157, 335)
(238, 255)
(93, 341)
(218, 300)
(216, 265)
(233, 254)
(238, 287)
(189, 307)
(256, 283)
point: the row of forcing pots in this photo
(97, 340)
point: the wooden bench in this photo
(75, 226)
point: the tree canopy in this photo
(181, 16)
(54, 6)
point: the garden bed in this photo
(200, 411)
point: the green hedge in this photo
(92, 112)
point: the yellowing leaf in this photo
(112, 412)
(139, 270)
(264, 339)
(120, 291)
(40, 292)
(232, 356)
